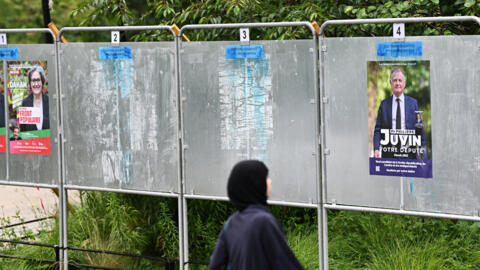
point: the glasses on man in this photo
(36, 80)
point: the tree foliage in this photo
(28, 14)
(180, 12)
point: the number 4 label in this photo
(398, 30)
(244, 34)
(3, 39)
(115, 37)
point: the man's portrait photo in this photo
(399, 110)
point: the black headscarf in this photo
(247, 184)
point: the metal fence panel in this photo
(28, 167)
(121, 117)
(260, 108)
(455, 110)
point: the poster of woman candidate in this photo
(3, 147)
(28, 116)
(399, 120)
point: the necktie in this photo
(398, 123)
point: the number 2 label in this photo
(115, 37)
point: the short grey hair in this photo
(398, 70)
(40, 70)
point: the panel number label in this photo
(3, 39)
(115, 37)
(398, 30)
(244, 34)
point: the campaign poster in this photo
(399, 119)
(3, 137)
(28, 115)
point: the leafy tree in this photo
(28, 14)
(167, 12)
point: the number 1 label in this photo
(244, 34)
(3, 39)
(115, 37)
(398, 30)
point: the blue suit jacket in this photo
(384, 118)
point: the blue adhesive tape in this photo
(244, 51)
(8, 53)
(399, 49)
(115, 53)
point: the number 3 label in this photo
(3, 39)
(398, 30)
(244, 34)
(115, 37)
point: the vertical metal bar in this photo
(65, 227)
(185, 233)
(323, 229)
(321, 212)
(57, 256)
(5, 108)
(62, 205)
(402, 194)
(181, 236)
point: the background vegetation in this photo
(149, 225)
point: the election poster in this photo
(3, 137)
(399, 120)
(28, 115)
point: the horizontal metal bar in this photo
(88, 266)
(246, 25)
(196, 263)
(218, 198)
(400, 20)
(292, 204)
(203, 197)
(400, 212)
(127, 191)
(14, 183)
(27, 243)
(27, 259)
(114, 28)
(119, 254)
(28, 30)
(25, 222)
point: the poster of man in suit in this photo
(399, 118)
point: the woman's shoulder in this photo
(261, 213)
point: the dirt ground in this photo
(27, 203)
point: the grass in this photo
(148, 226)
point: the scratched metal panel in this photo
(455, 113)
(120, 117)
(236, 109)
(34, 168)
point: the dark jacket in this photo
(28, 102)
(253, 239)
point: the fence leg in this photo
(57, 257)
(170, 265)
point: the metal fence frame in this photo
(318, 206)
(319, 88)
(61, 210)
(7, 176)
(66, 187)
(325, 151)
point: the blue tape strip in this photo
(8, 53)
(245, 51)
(115, 53)
(399, 49)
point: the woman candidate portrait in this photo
(36, 98)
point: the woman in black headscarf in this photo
(251, 238)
